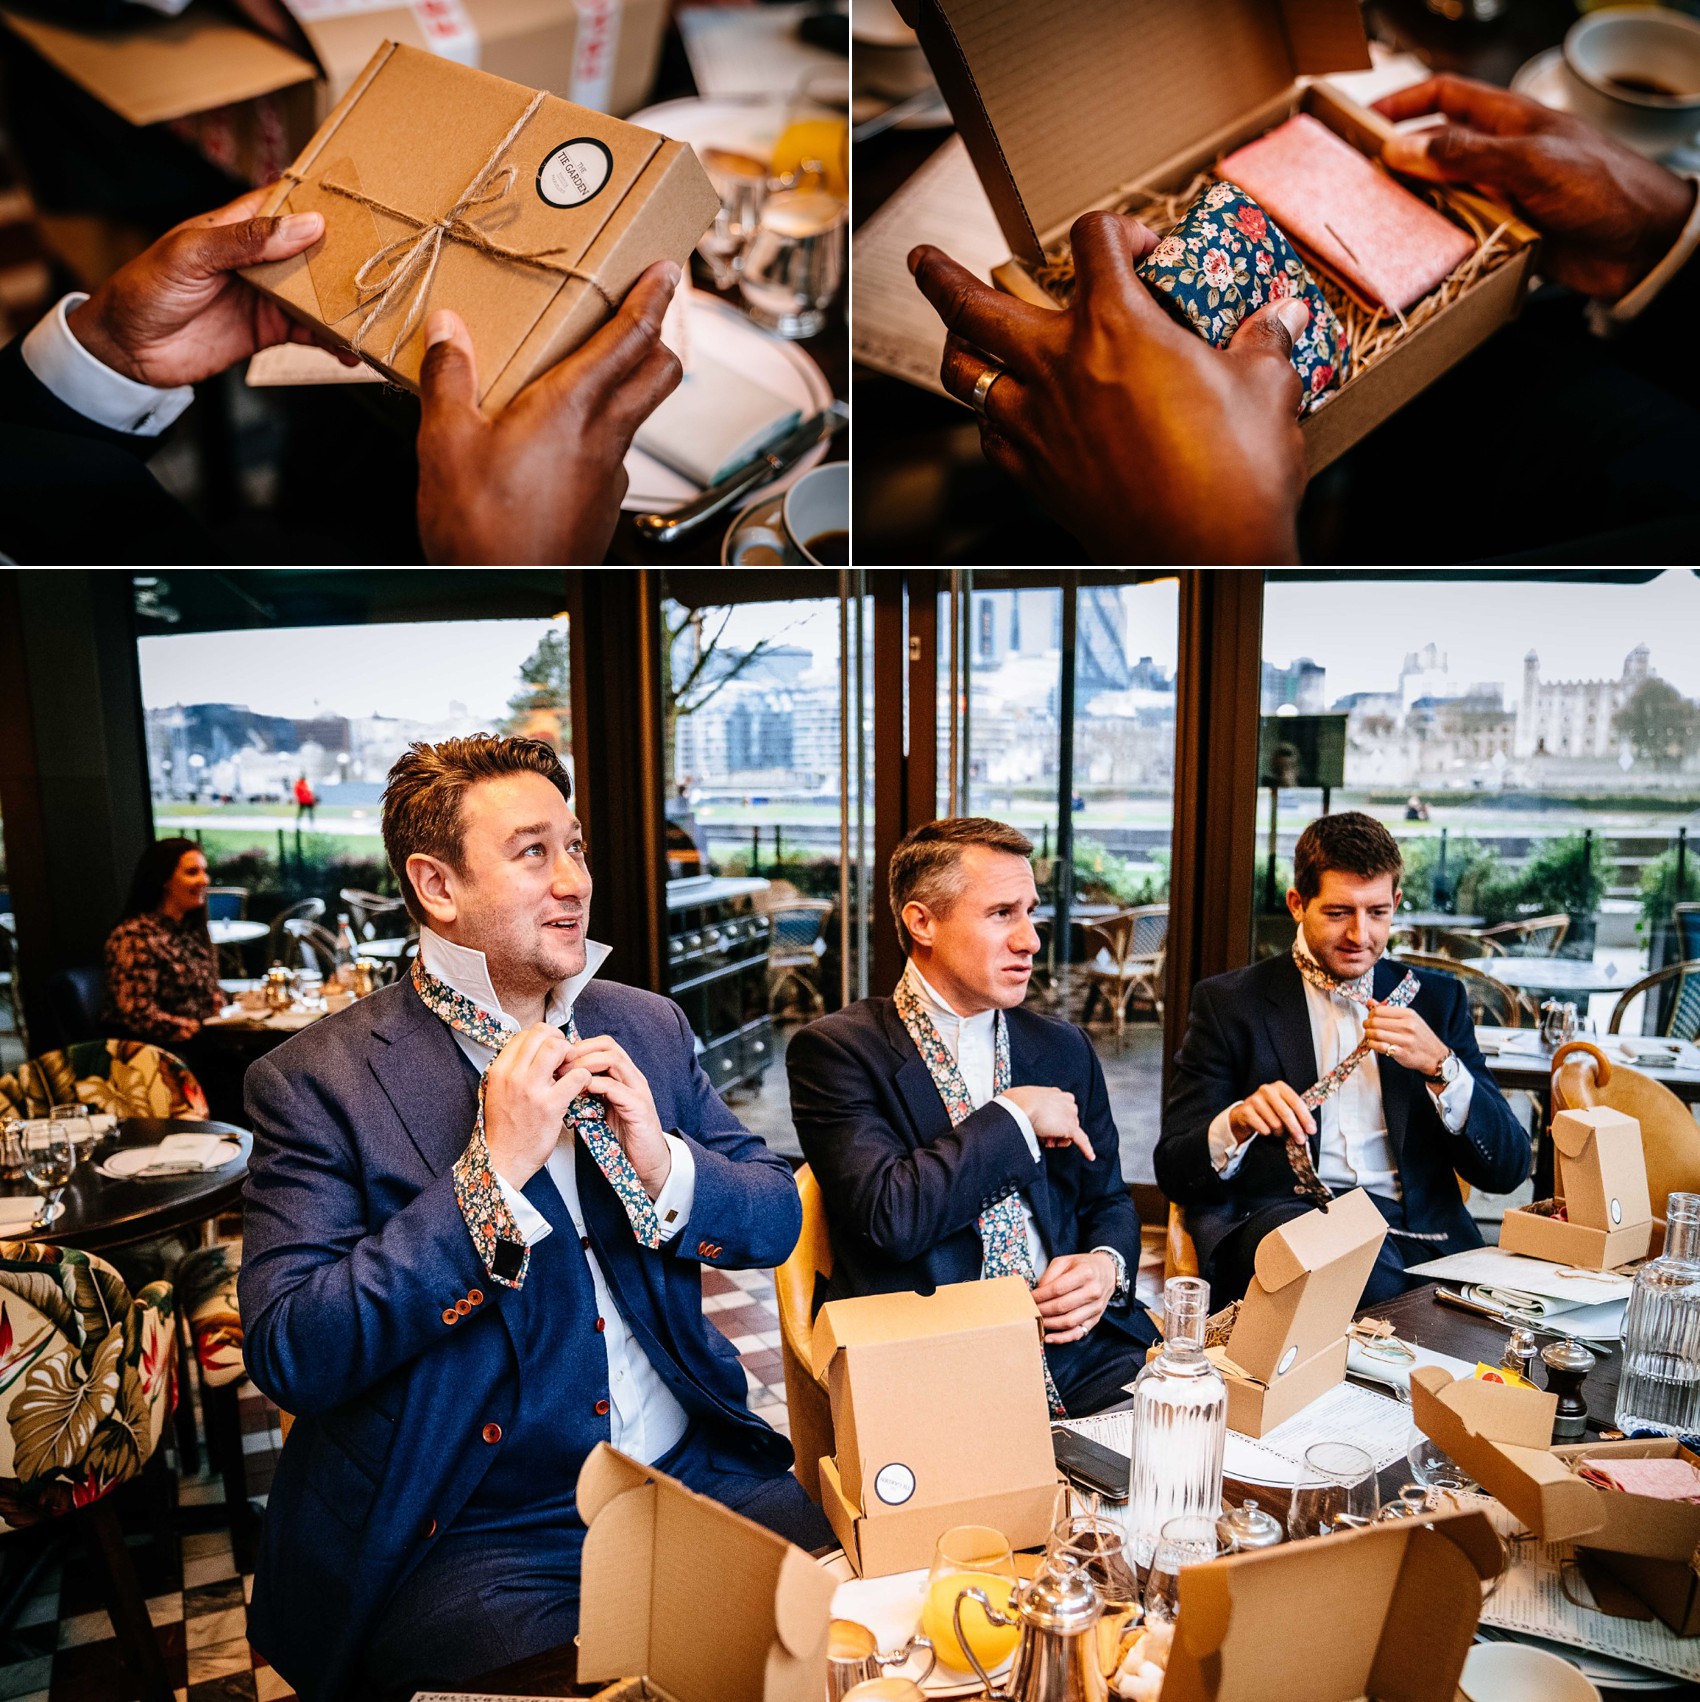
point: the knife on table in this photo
(777, 459)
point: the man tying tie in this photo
(476, 1219)
(957, 1135)
(1331, 1067)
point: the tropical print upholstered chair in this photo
(129, 1078)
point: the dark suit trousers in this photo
(1233, 1264)
(474, 1605)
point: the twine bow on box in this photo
(393, 267)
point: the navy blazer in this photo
(1252, 1026)
(355, 1253)
(903, 1188)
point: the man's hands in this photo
(1275, 1109)
(541, 482)
(534, 1081)
(1138, 436)
(178, 313)
(1402, 1035)
(1073, 1293)
(1054, 1116)
(1606, 215)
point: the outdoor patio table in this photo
(1552, 975)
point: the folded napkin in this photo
(96, 1123)
(204, 1152)
(1662, 1480)
(19, 1210)
(715, 422)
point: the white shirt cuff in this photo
(1454, 1103)
(528, 1220)
(1605, 320)
(1227, 1154)
(62, 365)
(1022, 1121)
(679, 1192)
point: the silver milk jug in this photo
(1056, 1658)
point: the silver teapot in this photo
(1056, 1656)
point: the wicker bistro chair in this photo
(798, 1286)
(279, 947)
(1491, 1001)
(365, 908)
(310, 946)
(87, 1376)
(795, 948)
(128, 1078)
(1534, 936)
(1132, 946)
(1683, 1020)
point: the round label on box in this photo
(1287, 1359)
(576, 172)
(1616, 1212)
(894, 1484)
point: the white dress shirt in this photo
(1355, 1150)
(646, 1418)
(62, 365)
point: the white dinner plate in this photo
(1599, 1669)
(128, 1162)
(740, 126)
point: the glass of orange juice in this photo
(970, 1557)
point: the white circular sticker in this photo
(1616, 1212)
(575, 172)
(1287, 1359)
(894, 1484)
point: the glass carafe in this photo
(1660, 1384)
(1180, 1423)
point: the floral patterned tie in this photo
(585, 1117)
(1360, 991)
(1004, 1250)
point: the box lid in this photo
(644, 1610)
(1310, 1274)
(958, 1308)
(159, 69)
(1603, 1168)
(1062, 106)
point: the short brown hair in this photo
(422, 797)
(1351, 842)
(926, 866)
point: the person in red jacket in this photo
(306, 801)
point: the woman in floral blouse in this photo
(161, 967)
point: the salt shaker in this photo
(1568, 1363)
(1520, 1352)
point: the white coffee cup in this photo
(817, 506)
(1635, 72)
(1513, 1672)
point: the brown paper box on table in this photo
(1602, 1182)
(940, 1418)
(683, 1600)
(1288, 1344)
(444, 187)
(1074, 108)
(249, 104)
(1398, 1605)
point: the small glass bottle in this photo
(343, 969)
(1180, 1424)
(1659, 1388)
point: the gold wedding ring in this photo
(983, 388)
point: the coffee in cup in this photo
(1635, 72)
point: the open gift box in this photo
(1396, 1608)
(1100, 103)
(940, 1419)
(1288, 1344)
(249, 103)
(683, 1600)
(1602, 1179)
(1499, 1434)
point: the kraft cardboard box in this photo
(1399, 1604)
(1602, 1178)
(1288, 1344)
(1076, 107)
(446, 187)
(940, 1418)
(249, 103)
(683, 1600)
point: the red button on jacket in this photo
(601, 1409)
(492, 1433)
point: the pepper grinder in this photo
(1568, 1363)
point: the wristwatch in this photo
(1119, 1293)
(1447, 1074)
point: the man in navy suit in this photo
(1417, 1109)
(956, 1134)
(476, 1220)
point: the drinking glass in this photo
(11, 1148)
(1336, 1491)
(813, 148)
(1099, 1548)
(740, 180)
(1432, 1466)
(794, 264)
(50, 1157)
(970, 1557)
(75, 1118)
(1188, 1541)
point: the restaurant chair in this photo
(1583, 1076)
(227, 903)
(75, 997)
(1180, 1257)
(1687, 919)
(1682, 1022)
(364, 909)
(278, 948)
(311, 946)
(1128, 963)
(11, 991)
(92, 1370)
(1491, 1002)
(1464, 943)
(128, 1078)
(799, 1287)
(795, 947)
(1536, 936)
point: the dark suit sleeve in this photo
(1491, 1151)
(1107, 1217)
(746, 1206)
(901, 1200)
(1204, 1084)
(25, 401)
(328, 1304)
